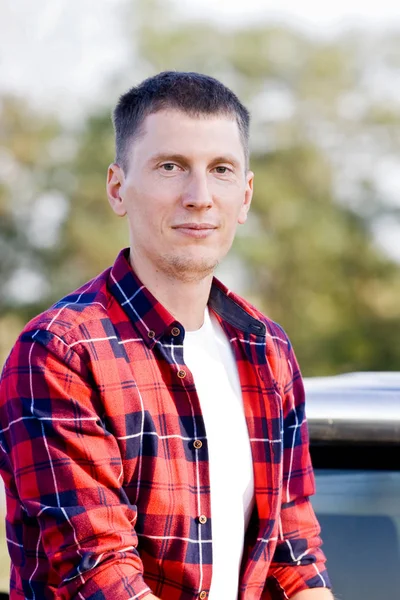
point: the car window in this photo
(359, 513)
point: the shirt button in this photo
(175, 331)
(197, 444)
(203, 595)
(151, 333)
(202, 520)
(181, 374)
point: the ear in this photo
(247, 198)
(115, 180)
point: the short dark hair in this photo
(192, 93)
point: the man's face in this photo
(185, 190)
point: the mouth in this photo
(196, 230)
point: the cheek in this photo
(145, 219)
(145, 210)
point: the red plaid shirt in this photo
(104, 452)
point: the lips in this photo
(196, 226)
(195, 230)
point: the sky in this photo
(324, 17)
(59, 52)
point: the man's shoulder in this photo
(87, 304)
(273, 329)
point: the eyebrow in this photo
(227, 158)
(168, 156)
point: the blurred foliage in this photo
(308, 252)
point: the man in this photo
(154, 443)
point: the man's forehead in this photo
(177, 129)
(175, 118)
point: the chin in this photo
(189, 268)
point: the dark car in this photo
(354, 423)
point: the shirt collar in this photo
(153, 321)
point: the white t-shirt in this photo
(209, 356)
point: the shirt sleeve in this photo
(68, 471)
(298, 563)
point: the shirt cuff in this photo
(116, 581)
(292, 579)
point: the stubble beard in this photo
(187, 269)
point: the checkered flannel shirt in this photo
(104, 452)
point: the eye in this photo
(221, 170)
(169, 167)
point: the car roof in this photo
(361, 406)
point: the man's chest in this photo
(150, 404)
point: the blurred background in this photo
(321, 251)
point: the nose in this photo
(196, 194)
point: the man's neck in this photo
(185, 300)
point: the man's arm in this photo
(298, 565)
(66, 472)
